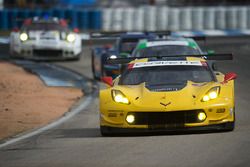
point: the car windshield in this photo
(128, 47)
(159, 75)
(44, 26)
(167, 50)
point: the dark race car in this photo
(124, 45)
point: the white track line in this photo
(67, 116)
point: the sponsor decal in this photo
(165, 63)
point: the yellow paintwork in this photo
(113, 114)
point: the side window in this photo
(118, 45)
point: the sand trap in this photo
(26, 103)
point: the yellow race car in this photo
(174, 94)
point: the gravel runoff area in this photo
(26, 103)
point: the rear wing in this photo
(116, 34)
(197, 38)
(215, 57)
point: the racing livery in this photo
(174, 94)
(169, 46)
(45, 39)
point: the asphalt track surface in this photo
(78, 142)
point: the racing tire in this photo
(93, 68)
(105, 131)
(103, 61)
(229, 126)
(12, 53)
(78, 57)
(103, 73)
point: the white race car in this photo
(45, 39)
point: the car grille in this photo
(47, 38)
(166, 119)
(47, 53)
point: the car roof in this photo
(170, 40)
(138, 35)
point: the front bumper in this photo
(228, 126)
(37, 52)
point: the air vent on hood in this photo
(166, 87)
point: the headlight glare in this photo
(202, 116)
(205, 98)
(130, 118)
(23, 37)
(71, 37)
(119, 97)
(211, 94)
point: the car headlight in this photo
(201, 116)
(130, 118)
(23, 37)
(119, 97)
(213, 93)
(71, 37)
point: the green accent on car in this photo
(192, 44)
(142, 45)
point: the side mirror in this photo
(76, 30)
(229, 76)
(107, 80)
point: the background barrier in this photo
(143, 18)
(87, 19)
(177, 19)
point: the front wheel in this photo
(93, 67)
(229, 126)
(104, 131)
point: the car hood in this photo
(180, 99)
